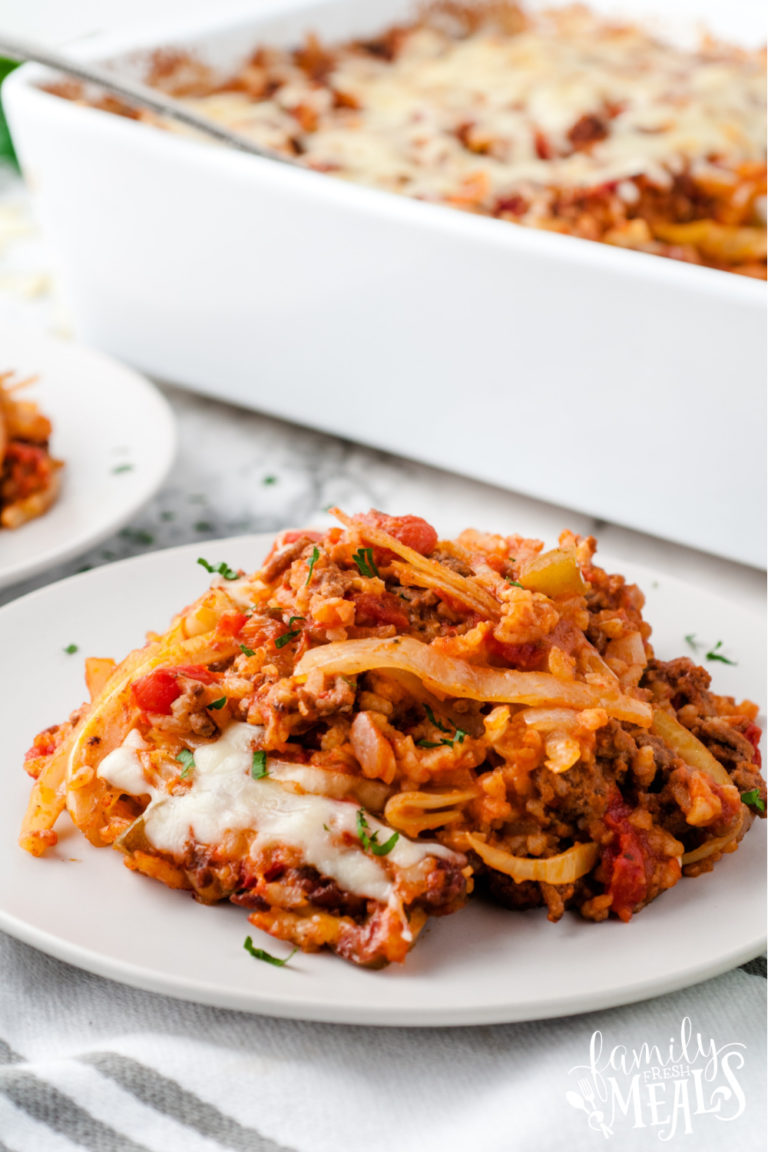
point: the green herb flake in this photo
(269, 480)
(218, 703)
(291, 634)
(221, 569)
(448, 741)
(715, 654)
(692, 642)
(259, 765)
(312, 561)
(186, 758)
(260, 954)
(514, 583)
(203, 526)
(753, 800)
(433, 719)
(71, 649)
(122, 468)
(370, 841)
(363, 558)
(137, 535)
(246, 650)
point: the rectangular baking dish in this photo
(624, 385)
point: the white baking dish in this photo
(620, 384)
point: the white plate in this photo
(481, 965)
(115, 434)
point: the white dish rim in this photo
(144, 37)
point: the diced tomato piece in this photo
(157, 691)
(753, 733)
(524, 657)
(409, 530)
(26, 468)
(371, 610)
(230, 623)
(624, 861)
(44, 744)
(292, 537)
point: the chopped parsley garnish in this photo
(457, 738)
(753, 800)
(433, 719)
(218, 703)
(363, 558)
(246, 650)
(715, 654)
(71, 649)
(186, 758)
(203, 526)
(291, 634)
(268, 480)
(260, 954)
(312, 561)
(122, 468)
(371, 841)
(259, 765)
(221, 569)
(514, 583)
(692, 642)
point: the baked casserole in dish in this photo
(594, 375)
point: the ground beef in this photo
(284, 555)
(681, 682)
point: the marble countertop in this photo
(238, 471)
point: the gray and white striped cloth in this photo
(90, 1064)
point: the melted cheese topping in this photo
(223, 797)
(503, 108)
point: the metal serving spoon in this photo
(134, 93)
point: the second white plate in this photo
(482, 965)
(115, 434)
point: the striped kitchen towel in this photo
(86, 1063)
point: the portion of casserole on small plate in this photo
(378, 723)
(560, 119)
(30, 478)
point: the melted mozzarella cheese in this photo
(663, 108)
(223, 797)
(123, 769)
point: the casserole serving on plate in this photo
(608, 380)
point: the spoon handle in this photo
(134, 92)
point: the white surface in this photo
(49, 20)
(481, 965)
(503, 353)
(104, 416)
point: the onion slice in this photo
(428, 573)
(454, 677)
(680, 740)
(561, 869)
(711, 847)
